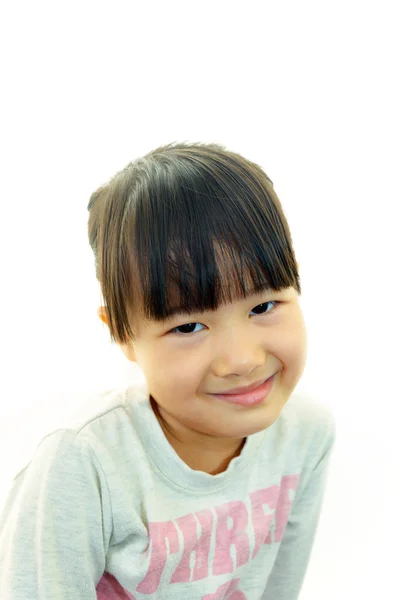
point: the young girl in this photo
(205, 482)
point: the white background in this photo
(310, 91)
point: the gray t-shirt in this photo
(106, 509)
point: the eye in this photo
(262, 308)
(188, 328)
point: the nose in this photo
(236, 353)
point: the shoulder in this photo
(309, 410)
(308, 425)
(81, 430)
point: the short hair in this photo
(162, 227)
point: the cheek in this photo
(168, 369)
(292, 339)
(297, 350)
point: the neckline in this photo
(166, 460)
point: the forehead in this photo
(162, 289)
(177, 309)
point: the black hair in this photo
(188, 224)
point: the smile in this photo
(250, 395)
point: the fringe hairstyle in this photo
(189, 224)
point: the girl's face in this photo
(189, 358)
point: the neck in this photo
(199, 451)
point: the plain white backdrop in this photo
(310, 91)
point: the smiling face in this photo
(201, 229)
(189, 358)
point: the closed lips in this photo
(243, 390)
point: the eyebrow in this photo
(179, 310)
(182, 310)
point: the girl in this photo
(205, 482)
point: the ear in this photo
(102, 314)
(126, 348)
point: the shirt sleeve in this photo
(287, 576)
(53, 536)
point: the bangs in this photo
(206, 237)
(187, 227)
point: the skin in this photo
(230, 347)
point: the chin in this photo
(246, 427)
